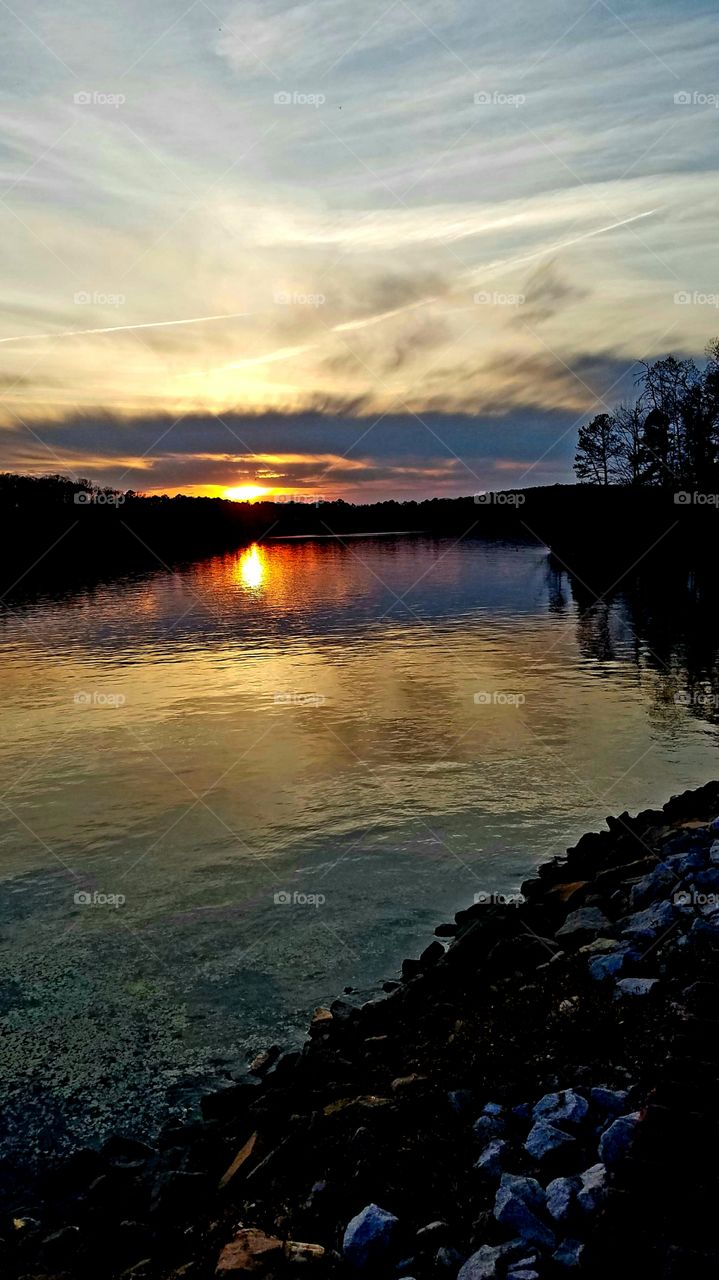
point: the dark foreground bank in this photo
(535, 1099)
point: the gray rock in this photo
(644, 926)
(369, 1237)
(601, 968)
(617, 1139)
(487, 1262)
(448, 1259)
(609, 1102)
(565, 1108)
(708, 881)
(516, 1206)
(492, 1109)
(561, 1197)
(636, 986)
(544, 1139)
(714, 853)
(493, 1159)
(521, 1273)
(657, 884)
(587, 921)
(594, 1185)
(488, 1127)
(569, 1254)
(482, 1265)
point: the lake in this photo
(231, 790)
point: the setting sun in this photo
(246, 493)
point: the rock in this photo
(230, 1101)
(485, 1264)
(714, 853)
(264, 1060)
(656, 885)
(636, 986)
(448, 1259)
(446, 930)
(522, 1274)
(567, 1107)
(561, 1197)
(516, 1205)
(708, 881)
(253, 1252)
(587, 922)
(601, 968)
(609, 1102)
(488, 1127)
(176, 1191)
(482, 1265)
(321, 1021)
(431, 955)
(493, 1159)
(126, 1153)
(569, 1254)
(591, 1192)
(370, 1237)
(617, 1140)
(544, 1139)
(432, 1234)
(644, 926)
(492, 1109)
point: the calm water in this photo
(376, 732)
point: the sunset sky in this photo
(356, 250)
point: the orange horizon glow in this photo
(246, 493)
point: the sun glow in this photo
(252, 568)
(246, 493)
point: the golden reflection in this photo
(252, 567)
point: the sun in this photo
(245, 492)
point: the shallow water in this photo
(232, 790)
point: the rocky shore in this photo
(535, 1098)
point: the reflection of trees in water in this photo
(663, 620)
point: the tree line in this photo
(669, 436)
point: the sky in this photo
(346, 250)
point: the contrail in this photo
(563, 244)
(125, 328)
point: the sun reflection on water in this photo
(252, 568)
